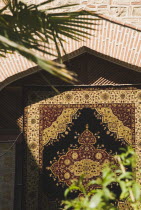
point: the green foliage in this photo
(122, 174)
(25, 27)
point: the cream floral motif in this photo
(59, 126)
(87, 167)
(114, 124)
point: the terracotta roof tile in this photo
(115, 41)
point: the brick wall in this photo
(125, 10)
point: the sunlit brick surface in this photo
(117, 37)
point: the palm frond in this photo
(27, 26)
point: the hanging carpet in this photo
(75, 133)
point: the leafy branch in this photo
(122, 174)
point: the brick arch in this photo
(109, 40)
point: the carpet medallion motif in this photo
(75, 133)
(86, 160)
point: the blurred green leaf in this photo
(95, 200)
(136, 191)
(104, 197)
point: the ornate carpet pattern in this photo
(75, 133)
